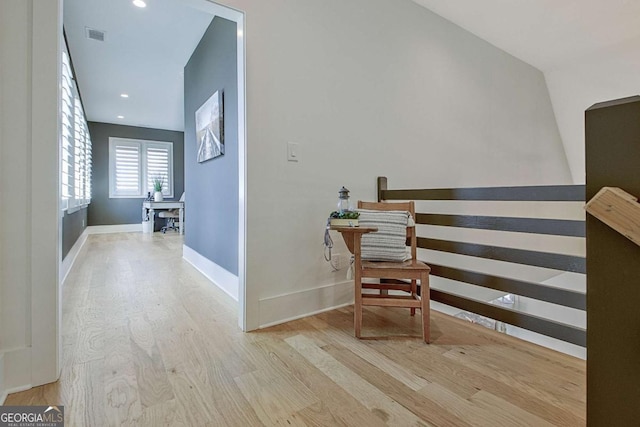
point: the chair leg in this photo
(425, 307)
(357, 306)
(167, 225)
(414, 291)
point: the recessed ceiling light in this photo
(121, 117)
(124, 95)
(139, 3)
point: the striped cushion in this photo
(389, 242)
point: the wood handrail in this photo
(619, 210)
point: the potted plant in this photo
(158, 183)
(344, 218)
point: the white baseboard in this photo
(223, 279)
(68, 261)
(15, 372)
(118, 228)
(296, 305)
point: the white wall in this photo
(29, 238)
(368, 88)
(605, 75)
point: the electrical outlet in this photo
(83, 223)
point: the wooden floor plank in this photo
(153, 383)
(530, 384)
(515, 415)
(336, 402)
(228, 398)
(274, 400)
(122, 401)
(414, 402)
(474, 414)
(193, 406)
(149, 341)
(319, 415)
(161, 415)
(360, 348)
(371, 397)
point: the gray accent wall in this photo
(106, 211)
(212, 193)
(73, 226)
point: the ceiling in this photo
(145, 50)
(143, 55)
(547, 34)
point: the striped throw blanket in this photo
(389, 242)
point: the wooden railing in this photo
(555, 227)
(619, 210)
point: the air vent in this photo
(94, 34)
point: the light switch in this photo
(293, 152)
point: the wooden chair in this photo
(392, 275)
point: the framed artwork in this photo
(210, 127)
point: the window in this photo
(133, 165)
(75, 156)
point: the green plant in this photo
(344, 215)
(158, 183)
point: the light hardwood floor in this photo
(148, 341)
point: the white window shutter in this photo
(127, 166)
(78, 154)
(66, 161)
(75, 149)
(159, 165)
(133, 165)
(89, 164)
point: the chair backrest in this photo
(397, 206)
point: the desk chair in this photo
(377, 258)
(172, 216)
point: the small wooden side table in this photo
(349, 235)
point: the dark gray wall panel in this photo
(551, 328)
(537, 291)
(556, 227)
(542, 193)
(212, 191)
(106, 211)
(519, 256)
(612, 133)
(72, 227)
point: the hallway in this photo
(149, 341)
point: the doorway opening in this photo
(205, 264)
